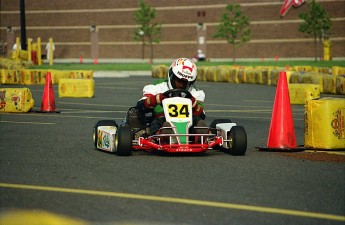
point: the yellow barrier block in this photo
(15, 55)
(338, 70)
(234, 76)
(14, 64)
(325, 70)
(165, 72)
(31, 76)
(301, 93)
(265, 77)
(76, 88)
(250, 76)
(306, 78)
(81, 74)
(2, 75)
(223, 73)
(27, 76)
(10, 77)
(16, 100)
(258, 76)
(159, 71)
(59, 74)
(38, 76)
(295, 77)
(329, 82)
(211, 74)
(325, 124)
(241, 75)
(318, 79)
(23, 54)
(273, 77)
(202, 73)
(340, 85)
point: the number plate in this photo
(178, 109)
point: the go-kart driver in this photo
(182, 75)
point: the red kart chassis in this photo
(155, 142)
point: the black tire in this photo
(215, 122)
(123, 141)
(238, 143)
(99, 124)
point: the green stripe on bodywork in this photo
(181, 128)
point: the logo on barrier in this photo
(338, 123)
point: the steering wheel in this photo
(177, 93)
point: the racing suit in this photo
(159, 87)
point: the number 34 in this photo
(178, 110)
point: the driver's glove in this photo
(197, 109)
(153, 100)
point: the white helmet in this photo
(183, 69)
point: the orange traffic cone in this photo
(281, 135)
(48, 101)
(95, 61)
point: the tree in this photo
(147, 32)
(316, 23)
(234, 27)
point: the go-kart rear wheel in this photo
(238, 140)
(123, 141)
(215, 122)
(111, 123)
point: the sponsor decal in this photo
(103, 140)
(185, 75)
(338, 123)
(184, 148)
(106, 142)
(188, 68)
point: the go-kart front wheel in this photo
(238, 140)
(123, 141)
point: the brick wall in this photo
(69, 22)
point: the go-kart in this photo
(133, 133)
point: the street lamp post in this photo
(141, 34)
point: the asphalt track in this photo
(48, 164)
